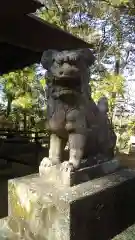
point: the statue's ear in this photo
(47, 59)
(88, 57)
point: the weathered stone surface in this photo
(97, 209)
(35, 210)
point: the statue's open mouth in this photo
(69, 83)
(67, 86)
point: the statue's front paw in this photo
(67, 166)
(45, 163)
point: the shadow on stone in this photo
(106, 213)
(3, 198)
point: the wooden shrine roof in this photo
(25, 36)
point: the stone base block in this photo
(58, 177)
(97, 209)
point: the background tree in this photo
(109, 26)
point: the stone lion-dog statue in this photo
(72, 114)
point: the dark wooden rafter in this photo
(33, 33)
(13, 57)
(25, 36)
(10, 8)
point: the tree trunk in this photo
(9, 105)
(25, 121)
(17, 122)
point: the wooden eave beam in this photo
(33, 33)
(10, 8)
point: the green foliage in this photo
(112, 86)
(24, 102)
(43, 82)
(131, 127)
(23, 92)
(123, 141)
(118, 2)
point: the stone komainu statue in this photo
(73, 116)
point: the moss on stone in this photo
(16, 206)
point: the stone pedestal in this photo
(58, 177)
(101, 208)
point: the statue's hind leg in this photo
(76, 151)
(76, 145)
